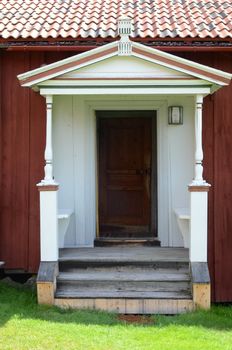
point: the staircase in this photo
(131, 280)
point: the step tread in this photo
(119, 259)
(127, 239)
(123, 286)
(117, 275)
(64, 293)
(125, 254)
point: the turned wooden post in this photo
(199, 219)
(48, 189)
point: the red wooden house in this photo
(131, 102)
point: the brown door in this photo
(125, 160)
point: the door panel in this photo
(125, 160)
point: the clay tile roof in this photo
(40, 19)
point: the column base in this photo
(48, 222)
(46, 282)
(201, 287)
(198, 222)
(43, 187)
(199, 188)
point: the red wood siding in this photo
(22, 139)
(22, 161)
(217, 143)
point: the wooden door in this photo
(125, 160)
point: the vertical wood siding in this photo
(22, 139)
(15, 164)
(22, 148)
(217, 142)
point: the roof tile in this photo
(80, 18)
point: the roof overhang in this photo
(182, 76)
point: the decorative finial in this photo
(124, 30)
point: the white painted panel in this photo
(63, 159)
(48, 226)
(84, 169)
(198, 226)
(124, 66)
(181, 164)
(144, 91)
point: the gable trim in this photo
(54, 70)
(68, 66)
(184, 66)
(126, 78)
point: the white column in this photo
(48, 223)
(198, 178)
(48, 155)
(48, 189)
(198, 196)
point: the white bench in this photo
(64, 216)
(183, 221)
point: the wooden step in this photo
(84, 292)
(124, 282)
(117, 285)
(72, 265)
(129, 305)
(122, 279)
(125, 274)
(142, 254)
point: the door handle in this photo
(143, 171)
(148, 171)
(139, 171)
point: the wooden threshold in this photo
(108, 241)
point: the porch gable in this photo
(142, 64)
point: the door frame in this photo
(154, 167)
(88, 107)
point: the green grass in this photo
(26, 325)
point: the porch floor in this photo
(125, 254)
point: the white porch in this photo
(123, 76)
(75, 161)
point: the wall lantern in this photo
(175, 115)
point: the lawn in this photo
(26, 325)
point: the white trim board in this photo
(127, 91)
